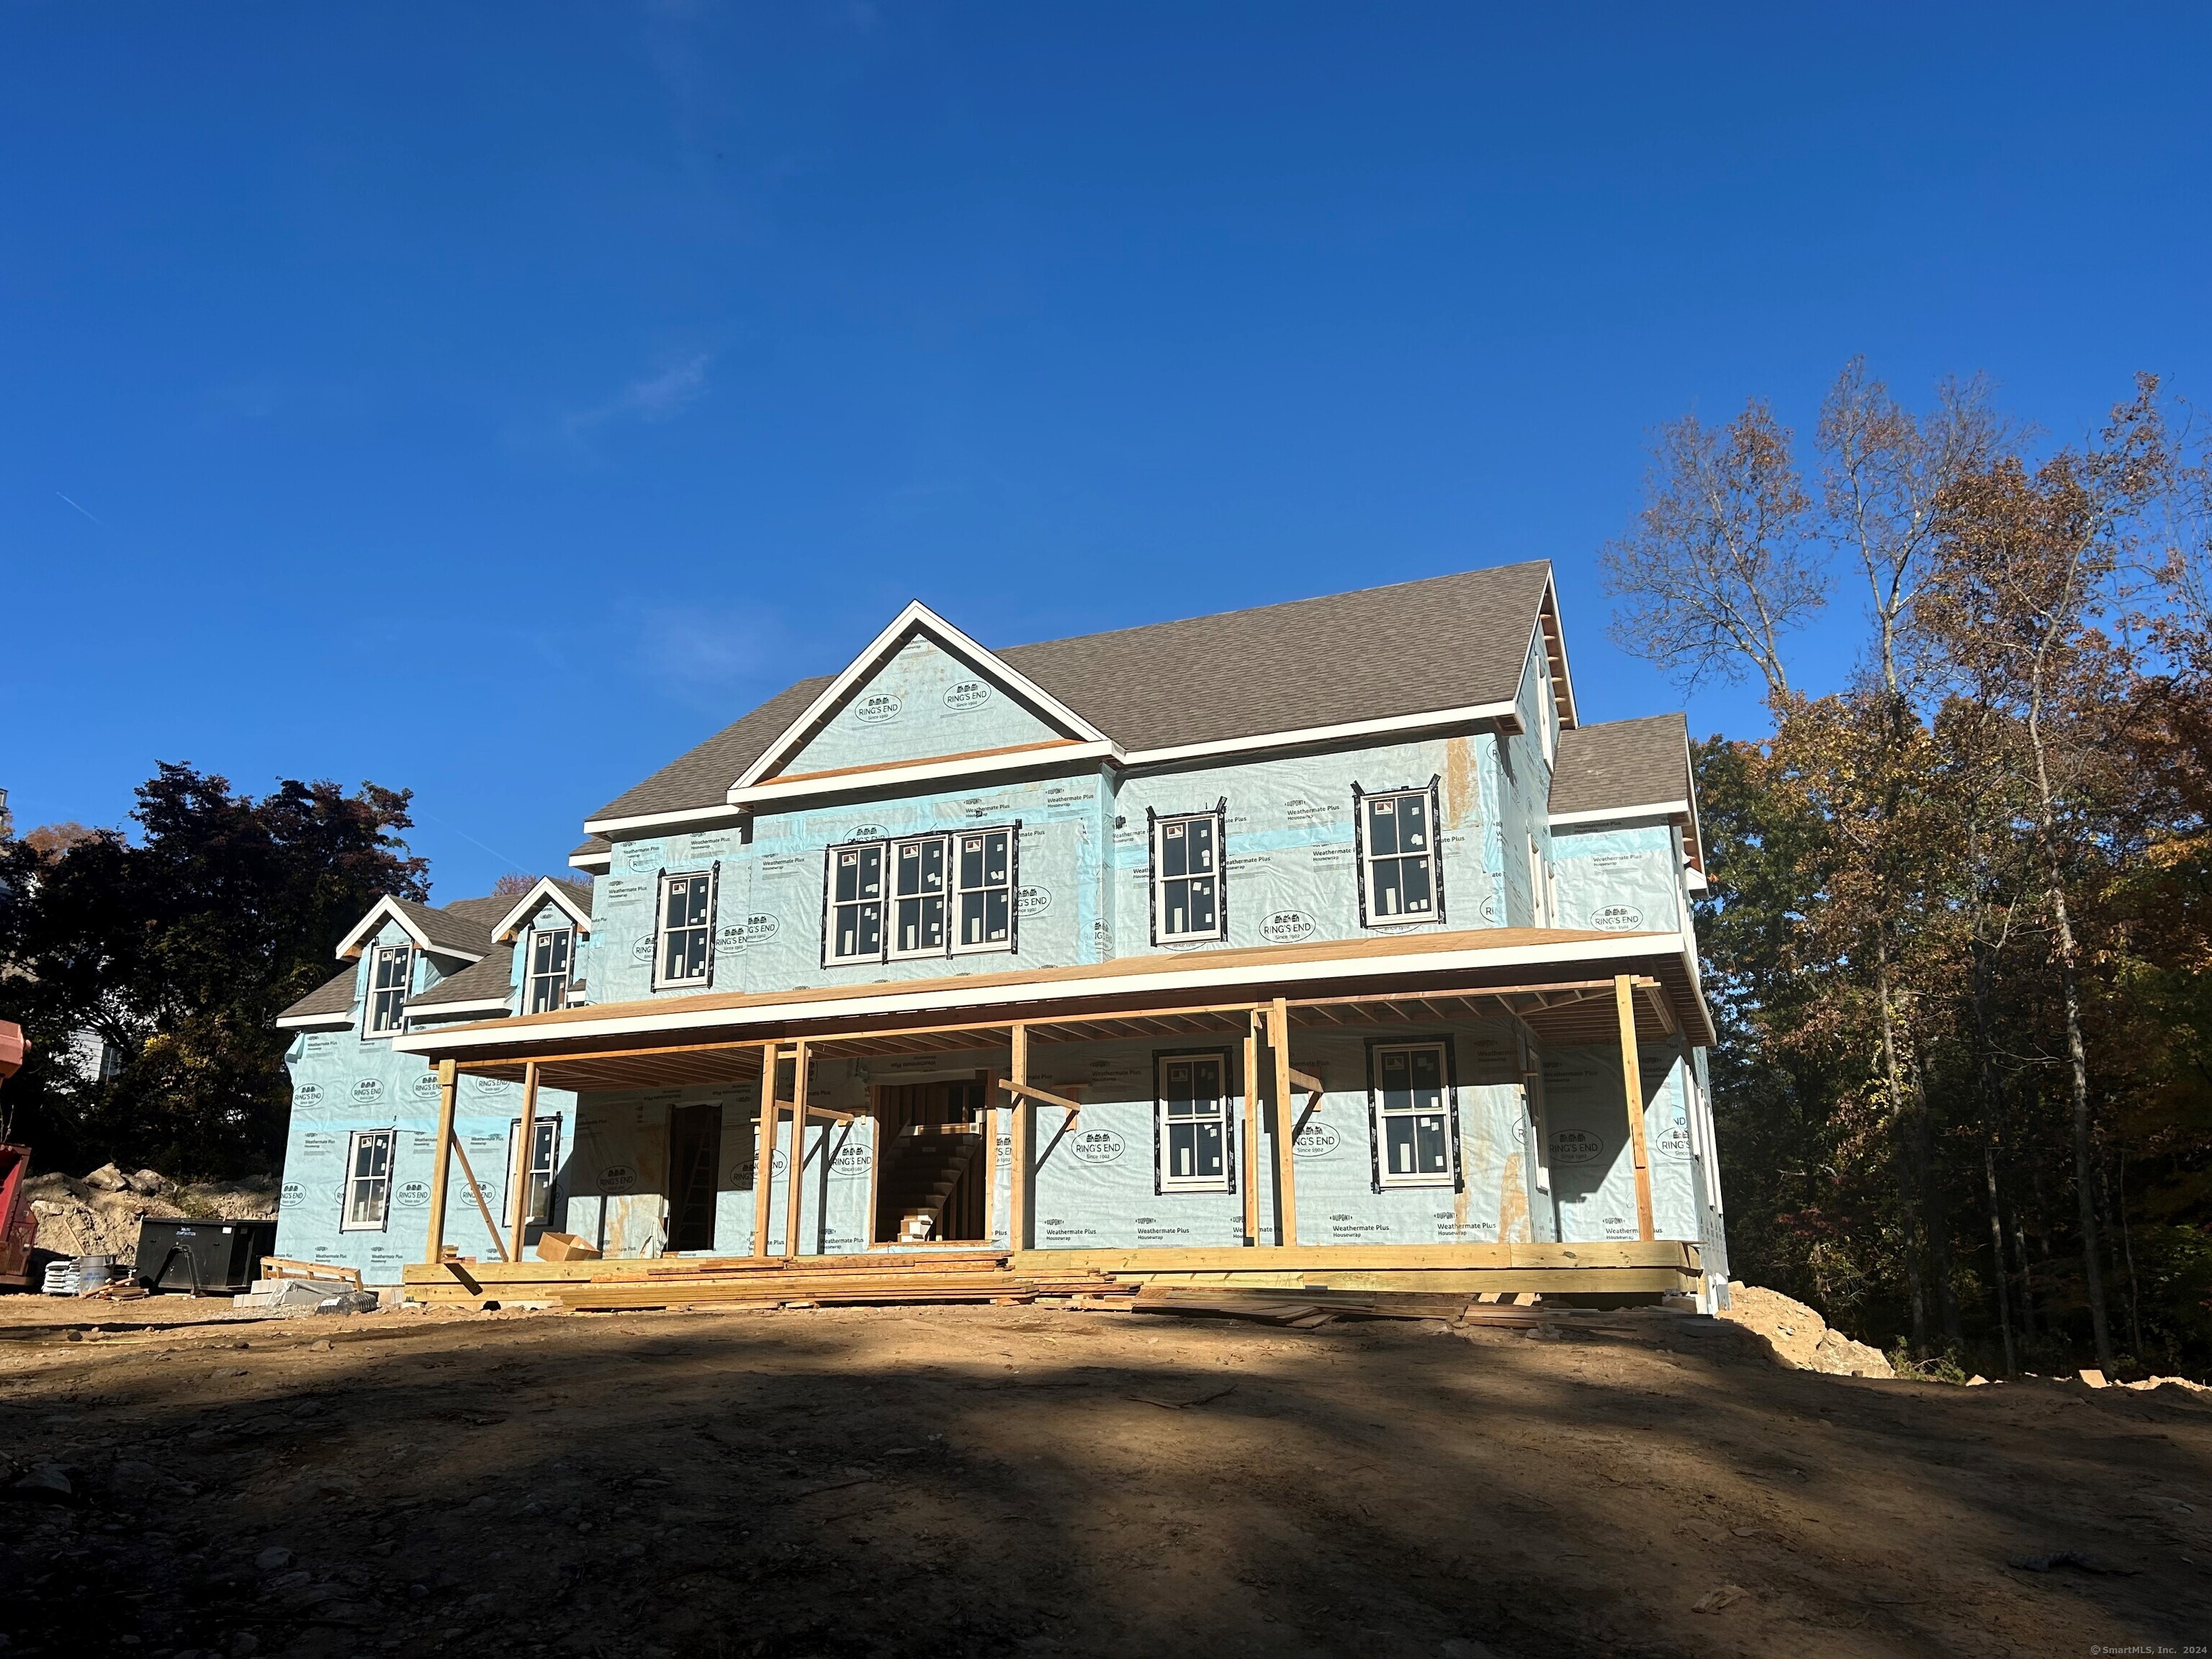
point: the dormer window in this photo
(390, 968)
(551, 953)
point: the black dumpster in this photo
(216, 1258)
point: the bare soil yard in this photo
(948, 1482)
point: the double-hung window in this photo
(1193, 1135)
(368, 1180)
(1398, 857)
(986, 873)
(549, 956)
(856, 903)
(918, 875)
(544, 1157)
(687, 930)
(1186, 897)
(1412, 1106)
(920, 895)
(390, 969)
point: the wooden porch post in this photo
(448, 1083)
(1632, 1086)
(519, 1212)
(794, 1195)
(764, 1136)
(1286, 1122)
(1017, 1209)
(1251, 1159)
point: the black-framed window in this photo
(946, 893)
(1401, 876)
(1188, 896)
(1194, 1123)
(368, 1180)
(1412, 1113)
(684, 953)
(544, 1159)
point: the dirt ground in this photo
(949, 1481)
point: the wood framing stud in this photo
(764, 1139)
(448, 1084)
(1286, 1174)
(1251, 1159)
(1030, 1091)
(476, 1191)
(519, 1212)
(1017, 1083)
(795, 1194)
(1632, 1086)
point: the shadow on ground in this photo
(952, 1481)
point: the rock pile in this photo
(99, 1214)
(1800, 1337)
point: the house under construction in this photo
(1319, 945)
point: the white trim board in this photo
(534, 900)
(387, 909)
(877, 999)
(916, 617)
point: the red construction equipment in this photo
(19, 1228)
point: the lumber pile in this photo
(831, 1280)
(1315, 1306)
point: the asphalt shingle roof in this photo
(1415, 648)
(333, 996)
(479, 982)
(1622, 765)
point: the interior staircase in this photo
(930, 1160)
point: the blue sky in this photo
(494, 400)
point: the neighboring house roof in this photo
(330, 1001)
(1624, 767)
(1382, 652)
(475, 985)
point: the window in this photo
(389, 973)
(987, 890)
(369, 1182)
(918, 869)
(544, 1158)
(550, 954)
(1398, 857)
(948, 893)
(687, 930)
(1414, 1110)
(1187, 878)
(856, 907)
(1194, 1123)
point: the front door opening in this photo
(930, 1176)
(695, 1153)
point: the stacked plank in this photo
(829, 1281)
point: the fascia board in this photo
(597, 864)
(364, 930)
(998, 996)
(892, 777)
(310, 1021)
(1307, 736)
(688, 817)
(437, 1010)
(534, 900)
(876, 651)
(1656, 809)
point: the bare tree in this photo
(1716, 567)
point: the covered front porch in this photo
(1453, 1115)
